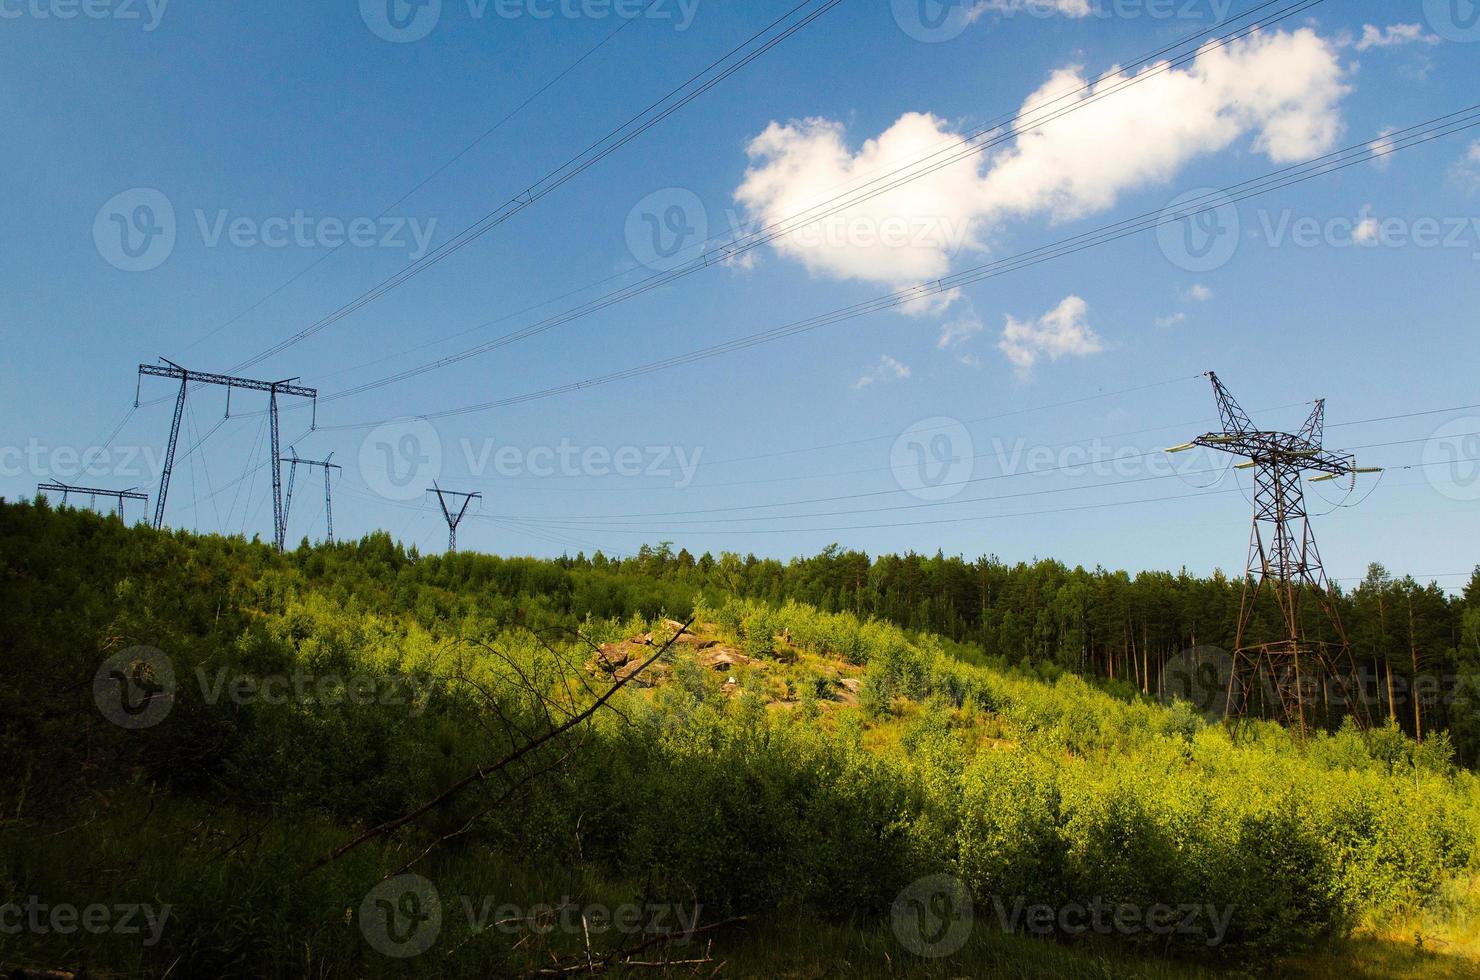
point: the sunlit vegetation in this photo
(821, 736)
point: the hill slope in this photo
(196, 722)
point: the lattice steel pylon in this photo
(453, 520)
(274, 388)
(1293, 674)
(66, 489)
(293, 462)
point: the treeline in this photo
(1417, 648)
(703, 790)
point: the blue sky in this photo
(269, 131)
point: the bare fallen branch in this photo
(623, 957)
(483, 772)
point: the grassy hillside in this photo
(192, 725)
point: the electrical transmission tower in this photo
(1283, 560)
(453, 522)
(294, 462)
(274, 388)
(93, 492)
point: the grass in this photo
(242, 906)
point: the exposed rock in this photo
(723, 659)
(850, 688)
(647, 678)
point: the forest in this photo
(1416, 648)
(763, 763)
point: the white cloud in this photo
(1382, 145)
(1063, 331)
(903, 236)
(1467, 172)
(1200, 293)
(1394, 35)
(888, 369)
(1166, 322)
(1282, 88)
(1280, 91)
(960, 329)
(1367, 228)
(1069, 8)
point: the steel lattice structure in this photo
(453, 520)
(294, 462)
(66, 489)
(274, 388)
(1284, 560)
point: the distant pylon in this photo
(294, 462)
(94, 492)
(1283, 557)
(274, 388)
(453, 522)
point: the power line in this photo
(602, 519)
(938, 521)
(431, 176)
(1436, 128)
(572, 168)
(973, 145)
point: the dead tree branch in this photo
(483, 772)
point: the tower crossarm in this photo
(206, 377)
(1283, 449)
(169, 369)
(58, 487)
